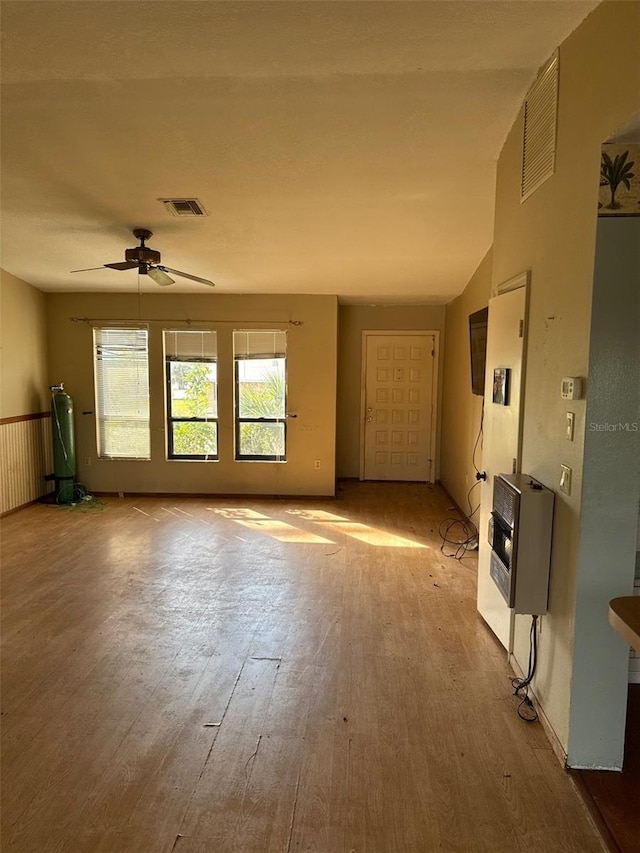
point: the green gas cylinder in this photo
(62, 434)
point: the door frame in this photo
(506, 617)
(434, 389)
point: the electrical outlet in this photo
(87, 460)
(565, 479)
(316, 464)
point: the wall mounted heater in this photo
(520, 529)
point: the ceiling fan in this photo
(147, 262)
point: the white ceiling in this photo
(338, 147)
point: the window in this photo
(192, 394)
(121, 362)
(260, 394)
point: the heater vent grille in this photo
(184, 206)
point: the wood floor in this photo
(616, 796)
(219, 675)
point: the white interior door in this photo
(398, 406)
(502, 436)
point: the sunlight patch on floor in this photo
(236, 512)
(316, 515)
(279, 530)
(284, 532)
(372, 535)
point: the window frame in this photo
(239, 421)
(99, 397)
(171, 420)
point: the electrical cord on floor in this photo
(526, 709)
(462, 532)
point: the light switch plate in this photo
(565, 479)
(569, 428)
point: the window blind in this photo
(260, 343)
(122, 393)
(191, 344)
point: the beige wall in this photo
(353, 320)
(553, 235)
(462, 410)
(312, 348)
(24, 379)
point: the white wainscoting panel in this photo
(25, 458)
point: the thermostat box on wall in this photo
(571, 388)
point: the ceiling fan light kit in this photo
(147, 262)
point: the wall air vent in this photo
(183, 206)
(540, 120)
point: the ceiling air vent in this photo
(540, 119)
(183, 206)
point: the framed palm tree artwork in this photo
(619, 180)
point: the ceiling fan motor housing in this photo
(142, 255)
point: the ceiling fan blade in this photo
(122, 265)
(159, 276)
(186, 275)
